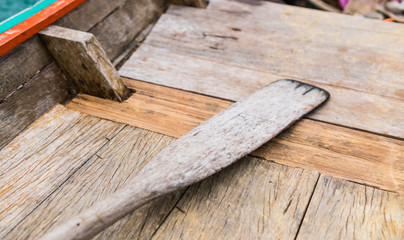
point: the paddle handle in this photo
(104, 213)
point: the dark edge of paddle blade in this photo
(308, 87)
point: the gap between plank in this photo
(263, 71)
(169, 213)
(307, 206)
(356, 129)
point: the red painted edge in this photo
(26, 29)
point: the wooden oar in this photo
(205, 150)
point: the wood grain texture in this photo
(24, 63)
(43, 157)
(344, 210)
(32, 100)
(252, 199)
(205, 150)
(21, 64)
(89, 14)
(118, 29)
(81, 56)
(347, 107)
(269, 37)
(160, 109)
(108, 170)
(338, 151)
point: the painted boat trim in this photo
(24, 14)
(39, 17)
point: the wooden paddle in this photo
(205, 150)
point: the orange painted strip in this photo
(26, 29)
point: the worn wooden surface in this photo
(276, 201)
(29, 103)
(347, 107)
(205, 150)
(339, 151)
(354, 210)
(182, 38)
(105, 172)
(118, 29)
(41, 159)
(252, 199)
(26, 62)
(160, 109)
(344, 210)
(81, 56)
(21, 64)
(276, 43)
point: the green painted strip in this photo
(25, 14)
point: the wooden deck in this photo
(337, 174)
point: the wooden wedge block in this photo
(81, 56)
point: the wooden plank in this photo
(32, 100)
(89, 14)
(20, 65)
(347, 107)
(43, 157)
(277, 44)
(208, 148)
(24, 61)
(330, 19)
(154, 108)
(80, 55)
(118, 29)
(252, 199)
(337, 151)
(108, 170)
(341, 210)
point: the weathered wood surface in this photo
(34, 99)
(89, 14)
(344, 210)
(269, 37)
(260, 10)
(43, 157)
(23, 64)
(81, 56)
(347, 107)
(345, 153)
(156, 108)
(105, 172)
(271, 187)
(252, 199)
(205, 150)
(118, 29)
